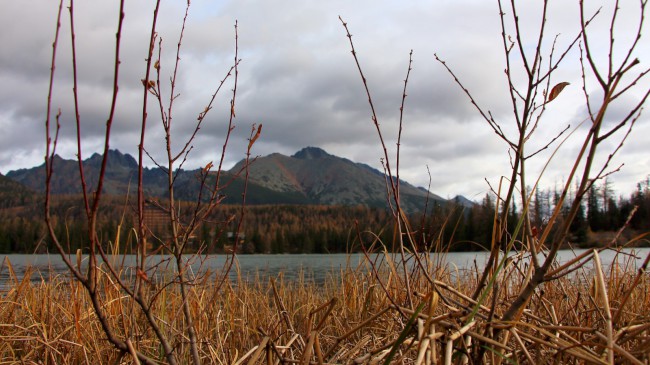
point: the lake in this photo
(315, 267)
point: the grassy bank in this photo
(360, 315)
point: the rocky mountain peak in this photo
(311, 153)
(115, 158)
(310, 176)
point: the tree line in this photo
(321, 229)
(460, 229)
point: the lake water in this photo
(315, 267)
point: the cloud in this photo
(298, 78)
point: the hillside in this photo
(326, 179)
(13, 193)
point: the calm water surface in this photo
(314, 267)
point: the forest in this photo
(319, 229)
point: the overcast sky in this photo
(298, 78)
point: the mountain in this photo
(310, 176)
(13, 193)
(326, 179)
(463, 201)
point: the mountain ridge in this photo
(310, 176)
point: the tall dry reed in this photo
(349, 319)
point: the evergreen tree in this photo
(593, 209)
(579, 226)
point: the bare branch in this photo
(632, 83)
(549, 143)
(631, 116)
(631, 49)
(75, 94)
(589, 53)
(375, 121)
(495, 126)
(401, 116)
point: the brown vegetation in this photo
(522, 307)
(355, 317)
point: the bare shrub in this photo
(507, 296)
(136, 291)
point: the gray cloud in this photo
(298, 78)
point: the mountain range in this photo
(310, 176)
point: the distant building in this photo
(156, 222)
(158, 226)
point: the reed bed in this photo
(522, 307)
(360, 315)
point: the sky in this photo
(299, 79)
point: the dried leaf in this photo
(255, 137)
(207, 167)
(557, 89)
(142, 275)
(151, 84)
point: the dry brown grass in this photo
(514, 310)
(357, 316)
